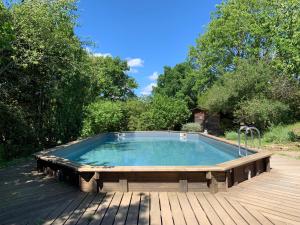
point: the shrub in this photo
(231, 135)
(134, 108)
(262, 112)
(192, 127)
(280, 134)
(164, 113)
(104, 116)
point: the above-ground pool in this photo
(153, 161)
(152, 149)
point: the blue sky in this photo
(148, 33)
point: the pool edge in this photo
(213, 178)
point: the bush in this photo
(164, 113)
(231, 135)
(134, 108)
(262, 112)
(192, 127)
(280, 134)
(104, 116)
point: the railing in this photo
(247, 130)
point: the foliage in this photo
(192, 127)
(231, 135)
(234, 87)
(164, 113)
(266, 29)
(104, 116)
(17, 136)
(280, 134)
(262, 112)
(110, 80)
(134, 109)
(47, 77)
(254, 94)
(177, 82)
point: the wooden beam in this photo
(183, 185)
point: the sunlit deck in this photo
(27, 197)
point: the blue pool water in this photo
(150, 149)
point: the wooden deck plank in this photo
(176, 209)
(69, 210)
(53, 214)
(112, 210)
(101, 210)
(155, 217)
(268, 197)
(123, 209)
(271, 211)
(225, 218)
(166, 214)
(91, 209)
(280, 219)
(243, 212)
(260, 217)
(133, 211)
(144, 213)
(198, 211)
(27, 197)
(238, 219)
(186, 209)
(77, 213)
(287, 212)
(209, 211)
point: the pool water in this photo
(151, 150)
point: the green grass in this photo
(231, 135)
(281, 134)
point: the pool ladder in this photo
(247, 130)
(121, 136)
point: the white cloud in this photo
(154, 76)
(98, 54)
(135, 62)
(148, 89)
(133, 70)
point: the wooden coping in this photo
(46, 156)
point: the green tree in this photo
(254, 93)
(110, 80)
(104, 116)
(266, 29)
(262, 112)
(164, 113)
(134, 108)
(250, 78)
(177, 82)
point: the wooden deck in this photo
(27, 197)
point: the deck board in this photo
(28, 197)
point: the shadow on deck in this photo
(28, 197)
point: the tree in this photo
(164, 113)
(110, 80)
(104, 116)
(266, 29)
(254, 93)
(262, 112)
(177, 82)
(44, 84)
(250, 78)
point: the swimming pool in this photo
(153, 161)
(152, 149)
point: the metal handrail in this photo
(247, 130)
